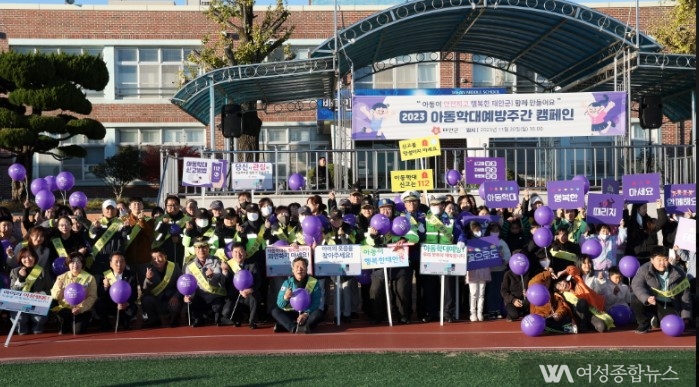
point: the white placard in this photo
(442, 260)
(378, 257)
(334, 260)
(279, 259)
(25, 302)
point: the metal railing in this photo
(531, 166)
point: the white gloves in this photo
(461, 245)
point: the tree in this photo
(33, 84)
(678, 32)
(240, 41)
(120, 170)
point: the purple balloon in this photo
(381, 223)
(365, 277)
(65, 181)
(400, 226)
(310, 239)
(5, 244)
(544, 216)
(296, 181)
(399, 206)
(59, 266)
(453, 177)
(481, 190)
(672, 325)
(120, 292)
(77, 199)
(628, 265)
(74, 293)
(538, 295)
(186, 284)
(175, 229)
(272, 218)
(280, 243)
(584, 180)
(17, 172)
(45, 199)
(592, 247)
(38, 185)
(300, 299)
(533, 325)
(519, 263)
(51, 182)
(243, 280)
(543, 237)
(621, 314)
(350, 219)
(311, 225)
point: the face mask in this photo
(266, 211)
(283, 219)
(603, 237)
(436, 210)
(494, 234)
(253, 216)
(201, 223)
(477, 234)
(545, 263)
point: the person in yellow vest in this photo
(289, 319)
(29, 277)
(164, 238)
(139, 230)
(213, 276)
(106, 237)
(217, 212)
(250, 297)
(63, 241)
(660, 289)
(160, 295)
(81, 312)
(255, 229)
(341, 233)
(36, 240)
(105, 307)
(416, 235)
(197, 228)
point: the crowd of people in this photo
(60, 246)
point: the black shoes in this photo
(277, 328)
(346, 319)
(253, 325)
(404, 321)
(198, 322)
(643, 328)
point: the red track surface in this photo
(328, 338)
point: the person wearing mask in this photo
(493, 299)
(341, 233)
(244, 198)
(199, 229)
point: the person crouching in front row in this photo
(286, 317)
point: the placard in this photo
(279, 259)
(334, 260)
(380, 257)
(610, 186)
(198, 172)
(481, 169)
(680, 197)
(419, 179)
(686, 237)
(442, 260)
(483, 252)
(566, 194)
(25, 302)
(252, 176)
(419, 147)
(501, 194)
(604, 209)
(642, 188)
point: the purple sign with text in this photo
(604, 208)
(680, 197)
(643, 188)
(466, 218)
(481, 169)
(483, 252)
(501, 194)
(610, 186)
(567, 194)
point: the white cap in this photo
(109, 202)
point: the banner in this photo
(420, 179)
(567, 194)
(279, 259)
(334, 260)
(680, 197)
(686, 237)
(642, 188)
(376, 258)
(610, 186)
(388, 117)
(604, 209)
(252, 176)
(483, 252)
(209, 173)
(481, 169)
(25, 302)
(419, 148)
(442, 260)
(501, 194)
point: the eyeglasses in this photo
(203, 247)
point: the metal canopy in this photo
(574, 47)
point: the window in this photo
(157, 136)
(490, 75)
(408, 76)
(79, 167)
(149, 72)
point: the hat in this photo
(203, 214)
(216, 205)
(109, 202)
(345, 202)
(535, 199)
(6, 218)
(200, 242)
(252, 207)
(386, 202)
(229, 213)
(355, 191)
(305, 210)
(410, 196)
(438, 199)
(335, 215)
(367, 203)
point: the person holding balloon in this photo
(605, 255)
(551, 306)
(245, 291)
(63, 241)
(79, 308)
(212, 276)
(159, 290)
(512, 289)
(106, 304)
(586, 304)
(660, 290)
(168, 229)
(298, 301)
(28, 276)
(342, 233)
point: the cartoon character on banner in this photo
(376, 115)
(597, 111)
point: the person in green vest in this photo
(250, 298)
(106, 237)
(159, 295)
(196, 229)
(164, 238)
(63, 241)
(32, 278)
(212, 276)
(82, 313)
(105, 307)
(298, 321)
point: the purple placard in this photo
(567, 194)
(604, 208)
(481, 169)
(643, 188)
(484, 221)
(680, 197)
(686, 237)
(610, 186)
(501, 194)
(483, 252)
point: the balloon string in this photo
(26, 187)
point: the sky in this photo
(259, 2)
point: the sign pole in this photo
(12, 330)
(441, 301)
(388, 298)
(456, 297)
(338, 284)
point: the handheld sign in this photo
(680, 197)
(375, 258)
(419, 179)
(18, 301)
(483, 252)
(686, 237)
(641, 188)
(604, 208)
(482, 169)
(568, 194)
(334, 260)
(442, 260)
(501, 194)
(419, 147)
(279, 259)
